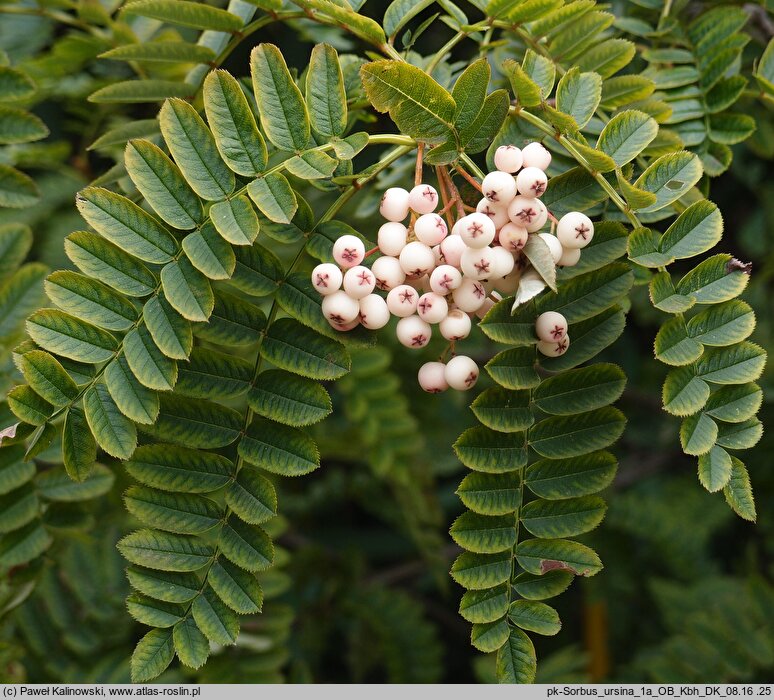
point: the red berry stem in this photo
(468, 177)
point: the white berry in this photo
(570, 257)
(551, 326)
(445, 279)
(461, 373)
(554, 348)
(417, 259)
(340, 308)
(553, 245)
(402, 300)
(391, 238)
(354, 323)
(430, 229)
(531, 182)
(387, 272)
(470, 295)
(499, 187)
(528, 212)
(497, 213)
(477, 230)
(359, 282)
(327, 278)
(503, 262)
(456, 325)
(423, 199)
(432, 377)
(395, 204)
(575, 230)
(536, 155)
(413, 332)
(374, 313)
(508, 158)
(478, 263)
(513, 236)
(432, 307)
(452, 248)
(348, 251)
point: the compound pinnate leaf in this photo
(179, 468)
(252, 496)
(148, 364)
(516, 660)
(134, 400)
(562, 518)
(490, 494)
(112, 430)
(289, 399)
(153, 653)
(279, 449)
(237, 588)
(487, 605)
(571, 477)
(48, 378)
(535, 617)
(247, 546)
(187, 290)
(194, 423)
(70, 337)
(571, 436)
(191, 645)
(79, 448)
(486, 450)
(218, 622)
(165, 551)
(484, 534)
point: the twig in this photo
(468, 177)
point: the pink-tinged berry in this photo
(340, 308)
(413, 332)
(417, 259)
(554, 348)
(478, 263)
(423, 199)
(347, 326)
(470, 295)
(461, 373)
(553, 245)
(374, 313)
(531, 182)
(503, 262)
(513, 237)
(551, 326)
(575, 230)
(499, 188)
(395, 204)
(445, 279)
(387, 273)
(496, 212)
(391, 238)
(432, 307)
(570, 257)
(452, 248)
(508, 158)
(348, 251)
(359, 282)
(327, 278)
(476, 230)
(536, 155)
(456, 326)
(432, 377)
(528, 212)
(430, 229)
(402, 300)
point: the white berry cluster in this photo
(432, 276)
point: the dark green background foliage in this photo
(358, 589)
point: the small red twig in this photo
(467, 207)
(418, 168)
(447, 201)
(371, 252)
(455, 193)
(469, 177)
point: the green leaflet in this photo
(57, 485)
(293, 347)
(695, 231)
(231, 120)
(24, 545)
(490, 494)
(99, 259)
(484, 606)
(113, 431)
(185, 15)
(626, 135)
(191, 645)
(70, 337)
(516, 661)
(541, 555)
(214, 375)
(153, 653)
(489, 636)
(481, 571)
(218, 622)
(14, 471)
(152, 612)
(123, 223)
(28, 406)
(284, 115)
(503, 410)
(233, 322)
(170, 332)
(534, 616)
(469, 92)
(18, 508)
(418, 105)
(134, 400)
(715, 469)
(165, 551)
(484, 534)
(187, 290)
(179, 468)
(90, 300)
(563, 518)
(171, 587)
(735, 403)
(161, 52)
(236, 587)
(311, 165)
(235, 220)
(151, 368)
(79, 448)
(17, 190)
(193, 147)
(279, 449)
(738, 491)
(209, 253)
(247, 546)
(48, 378)
(252, 496)
(514, 368)
(571, 477)
(20, 295)
(274, 196)
(18, 126)
(325, 94)
(15, 85)
(570, 436)
(581, 389)
(476, 136)
(669, 178)
(15, 243)
(714, 280)
(542, 586)
(578, 95)
(187, 514)
(485, 450)
(287, 398)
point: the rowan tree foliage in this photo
(201, 479)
